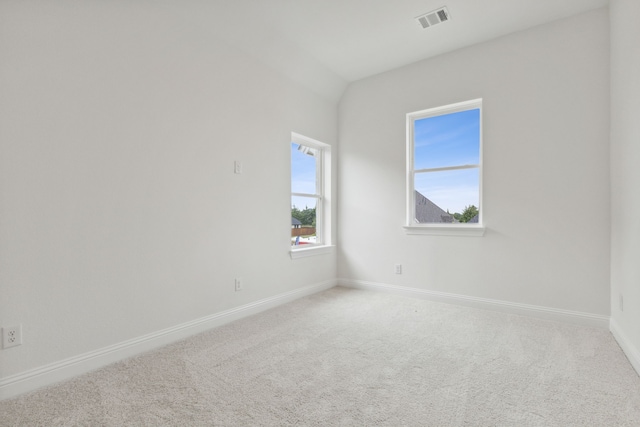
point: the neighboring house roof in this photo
(429, 212)
(295, 221)
(474, 219)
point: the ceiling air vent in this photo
(433, 18)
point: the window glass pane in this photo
(443, 196)
(303, 220)
(447, 140)
(303, 169)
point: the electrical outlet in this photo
(621, 303)
(239, 285)
(398, 268)
(11, 336)
(237, 167)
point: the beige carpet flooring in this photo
(356, 358)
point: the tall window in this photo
(309, 213)
(444, 167)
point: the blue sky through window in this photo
(451, 190)
(448, 140)
(303, 177)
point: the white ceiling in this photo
(359, 38)
(325, 44)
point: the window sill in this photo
(446, 230)
(312, 251)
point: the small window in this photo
(444, 169)
(309, 187)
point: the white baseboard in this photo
(575, 317)
(33, 379)
(631, 351)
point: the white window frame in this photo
(455, 229)
(322, 196)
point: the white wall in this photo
(120, 213)
(625, 175)
(546, 170)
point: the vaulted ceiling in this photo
(347, 40)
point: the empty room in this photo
(285, 212)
